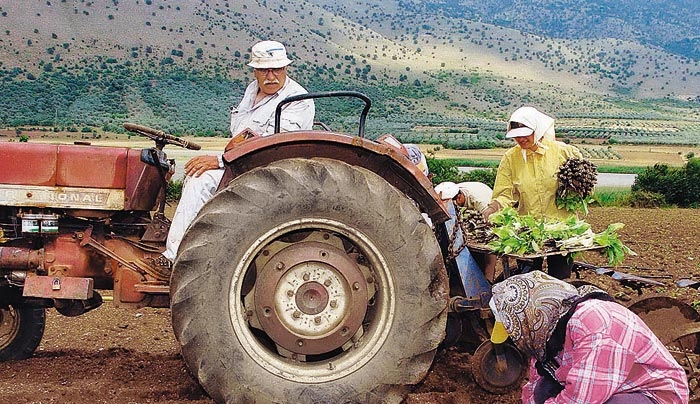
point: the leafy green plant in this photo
(613, 249)
(645, 199)
(174, 191)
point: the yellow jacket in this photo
(532, 184)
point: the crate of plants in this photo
(511, 234)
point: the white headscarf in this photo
(541, 124)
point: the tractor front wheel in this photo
(21, 330)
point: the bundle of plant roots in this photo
(577, 178)
(475, 227)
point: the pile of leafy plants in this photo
(526, 235)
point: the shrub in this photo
(679, 186)
(487, 176)
(644, 199)
(173, 191)
(442, 170)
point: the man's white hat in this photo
(447, 190)
(268, 55)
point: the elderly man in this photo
(255, 113)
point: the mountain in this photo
(670, 25)
(179, 64)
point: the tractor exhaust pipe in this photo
(21, 258)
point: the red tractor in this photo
(75, 219)
(312, 276)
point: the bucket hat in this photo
(268, 55)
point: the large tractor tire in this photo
(21, 330)
(309, 281)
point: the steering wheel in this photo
(161, 138)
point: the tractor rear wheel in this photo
(21, 330)
(308, 281)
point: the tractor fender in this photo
(384, 160)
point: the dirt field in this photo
(117, 356)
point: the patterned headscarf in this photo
(530, 305)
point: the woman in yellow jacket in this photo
(527, 175)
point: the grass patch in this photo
(473, 162)
(621, 169)
(612, 197)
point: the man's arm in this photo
(197, 165)
(298, 115)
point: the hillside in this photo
(670, 25)
(179, 65)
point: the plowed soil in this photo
(117, 355)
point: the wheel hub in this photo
(311, 298)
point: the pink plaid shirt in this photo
(609, 350)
